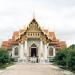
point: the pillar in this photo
(13, 51)
(45, 52)
(41, 56)
(21, 51)
(54, 51)
(26, 52)
(41, 48)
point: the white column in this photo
(54, 51)
(13, 51)
(21, 51)
(45, 51)
(26, 53)
(41, 48)
(41, 52)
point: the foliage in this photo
(66, 58)
(4, 58)
(60, 58)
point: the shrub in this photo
(60, 58)
(4, 56)
(66, 58)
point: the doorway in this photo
(33, 52)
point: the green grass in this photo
(4, 66)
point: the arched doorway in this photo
(34, 51)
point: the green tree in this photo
(71, 63)
(66, 58)
(60, 57)
(4, 56)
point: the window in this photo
(50, 51)
(38, 34)
(16, 51)
(31, 34)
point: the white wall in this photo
(13, 50)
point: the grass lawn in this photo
(3, 66)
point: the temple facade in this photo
(33, 44)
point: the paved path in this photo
(33, 69)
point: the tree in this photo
(4, 56)
(60, 57)
(66, 58)
(71, 63)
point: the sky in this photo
(54, 15)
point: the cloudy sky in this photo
(54, 15)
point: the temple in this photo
(33, 43)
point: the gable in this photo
(33, 27)
(33, 30)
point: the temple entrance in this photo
(33, 53)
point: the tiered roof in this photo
(50, 35)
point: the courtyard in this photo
(34, 69)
